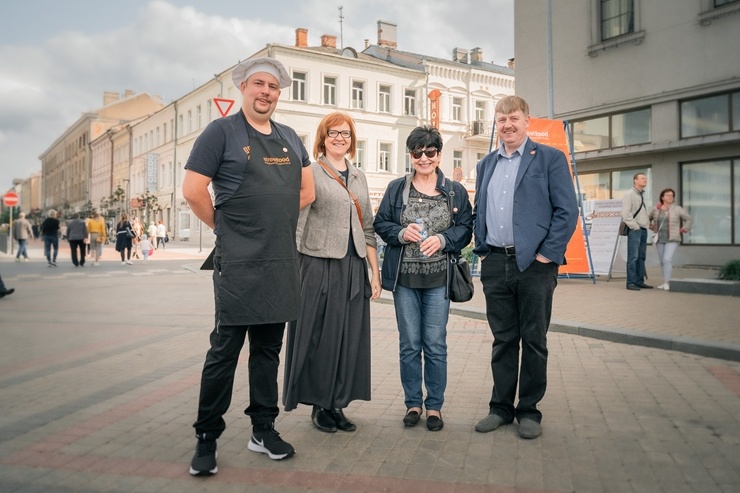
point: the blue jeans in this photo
(51, 241)
(421, 315)
(636, 251)
(22, 249)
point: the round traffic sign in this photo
(10, 199)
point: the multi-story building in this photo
(647, 87)
(388, 92)
(66, 170)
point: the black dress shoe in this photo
(644, 286)
(633, 287)
(435, 423)
(411, 419)
(7, 292)
(323, 420)
(341, 420)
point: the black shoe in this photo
(266, 440)
(7, 292)
(323, 420)
(644, 286)
(341, 420)
(633, 287)
(435, 423)
(204, 460)
(411, 419)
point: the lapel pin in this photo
(532, 153)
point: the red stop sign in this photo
(10, 199)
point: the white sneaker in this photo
(129, 262)
(123, 263)
(667, 287)
(662, 286)
(17, 259)
(95, 264)
(25, 259)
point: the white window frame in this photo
(299, 86)
(384, 98)
(361, 154)
(457, 109)
(358, 95)
(409, 102)
(329, 90)
(385, 153)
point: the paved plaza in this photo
(100, 368)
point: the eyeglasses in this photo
(333, 134)
(430, 153)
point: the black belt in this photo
(507, 250)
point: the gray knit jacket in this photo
(325, 225)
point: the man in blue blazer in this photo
(525, 211)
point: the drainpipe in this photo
(174, 176)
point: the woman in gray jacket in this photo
(327, 361)
(668, 221)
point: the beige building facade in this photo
(647, 87)
(66, 165)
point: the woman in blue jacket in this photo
(426, 220)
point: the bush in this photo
(730, 271)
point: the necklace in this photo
(426, 188)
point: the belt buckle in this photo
(506, 251)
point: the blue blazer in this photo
(545, 205)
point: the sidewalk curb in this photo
(698, 347)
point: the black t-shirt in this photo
(218, 155)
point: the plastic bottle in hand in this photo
(423, 230)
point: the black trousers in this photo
(217, 379)
(518, 308)
(74, 245)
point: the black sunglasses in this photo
(430, 153)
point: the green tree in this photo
(149, 203)
(5, 216)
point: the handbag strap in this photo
(341, 182)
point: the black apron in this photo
(256, 276)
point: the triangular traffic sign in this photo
(223, 105)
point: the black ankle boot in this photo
(341, 420)
(323, 420)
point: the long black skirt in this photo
(327, 359)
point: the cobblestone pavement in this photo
(99, 372)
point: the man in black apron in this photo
(260, 174)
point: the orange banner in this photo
(552, 133)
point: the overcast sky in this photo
(57, 57)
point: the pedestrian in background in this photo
(153, 234)
(525, 214)
(146, 247)
(138, 230)
(22, 232)
(261, 177)
(327, 360)
(77, 236)
(124, 237)
(669, 221)
(425, 219)
(636, 216)
(97, 229)
(50, 234)
(161, 234)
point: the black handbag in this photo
(461, 282)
